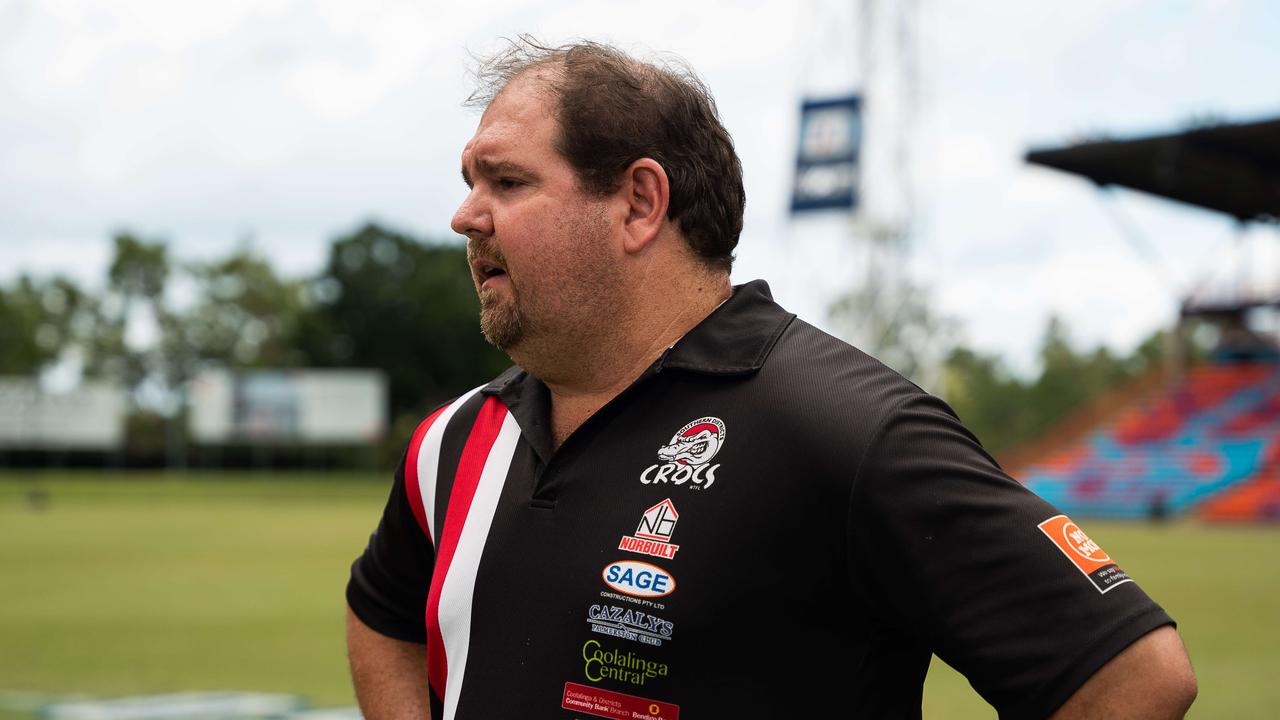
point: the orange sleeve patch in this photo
(1090, 559)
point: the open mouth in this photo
(489, 270)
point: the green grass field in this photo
(114, 584)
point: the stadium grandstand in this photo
(1208, 442)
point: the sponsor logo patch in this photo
(653, 535)
(638, 579)
(604, 663)
(634, 625)
(687, 458)
(1084, 553)
(608, 704)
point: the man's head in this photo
(612, 110)
(595, 180)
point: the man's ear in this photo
(647, 194)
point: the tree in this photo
(139, 269)
(245, 316)
(989, 400)
(136, 281)
(40, 321)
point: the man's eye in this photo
(509, 183)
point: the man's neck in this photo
(588, 376)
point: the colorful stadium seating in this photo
(1210, 446)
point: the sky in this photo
(282, 124)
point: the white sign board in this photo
(304, 406)
(89, 417)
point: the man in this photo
(684, 500)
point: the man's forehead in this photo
(527, 96)
(491, 147)
(517, 116)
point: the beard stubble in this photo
(501, 322)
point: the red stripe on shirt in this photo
(411, 487)
(470, 465)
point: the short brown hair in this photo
(613, 110)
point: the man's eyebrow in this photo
(494, 169)
(500, 167)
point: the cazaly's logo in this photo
(686, 458)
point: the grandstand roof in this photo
(1232, 167)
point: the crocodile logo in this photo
(688, 456)
(695, 443)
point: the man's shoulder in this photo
(822, 392)
(829, 371)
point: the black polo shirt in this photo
(767, 523)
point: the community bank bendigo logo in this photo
(687, 458)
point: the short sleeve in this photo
(955, 556)
(390, 581)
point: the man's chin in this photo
(501, 328)
(505, 343)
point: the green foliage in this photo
(139, 269)
(1005, 411)
(990, 401)
(20, 312)
(39, 320)
(245, 316)
(19, 315)
(136, 281)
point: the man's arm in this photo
(956, 554)
(390, 676)
(1150, 679)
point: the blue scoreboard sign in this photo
(827, 164)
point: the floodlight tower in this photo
(853, 198)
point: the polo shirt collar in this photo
(735, 339)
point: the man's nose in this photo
(472, 218)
